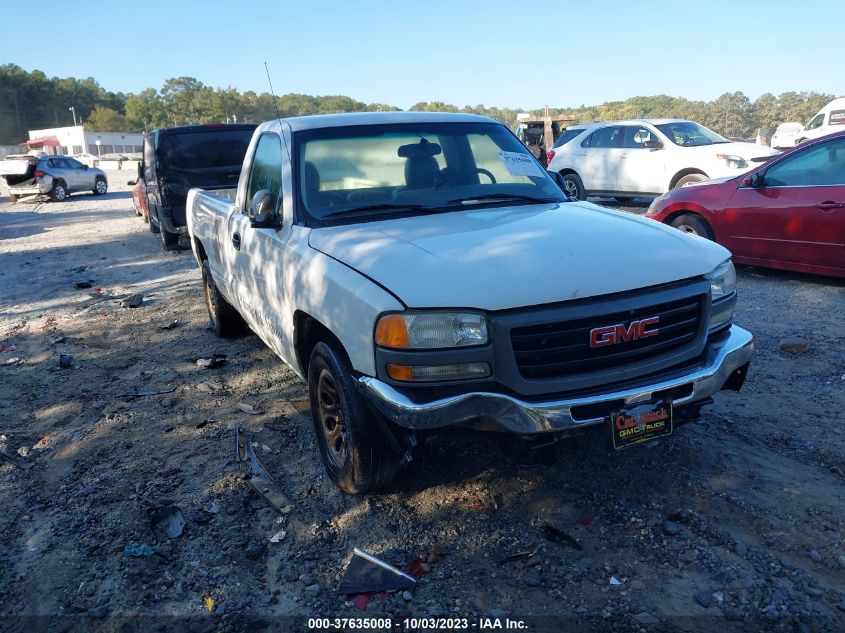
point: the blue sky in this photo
(497, 53)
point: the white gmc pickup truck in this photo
(423, 270)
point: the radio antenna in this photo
(276, 105)
(272, 93)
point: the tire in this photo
(688, 179)
(154, 228)
(693, 224)
(100, 187)
(170, 241)
(146, 217)
(225, 320)
(353, 441)
(59, 191)
(574, 186)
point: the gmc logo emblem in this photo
(613, 334)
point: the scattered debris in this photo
(519, 555)
(169, 326)
(12, 361)
(211, 363)
(261, 480)
(703, 598)
(144, 394)
(168, 522)
(206, 387)
(278, 537)
(65, 361)
(615, 581)
(140, 550)
(55, 339)
(202, 424)
(82, 285)
(248, 408)
(132, 301)
(14, 461)
(794, 345)
(208, 603)
(23, 451)
(557, 535)
(367, 574)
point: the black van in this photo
(177, 159)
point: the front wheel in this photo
(224, 319)
(574, 186)
(689, 179)
(692, 224)
(100, 187)
(354, 443)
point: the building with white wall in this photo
(74, 140)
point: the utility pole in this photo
(73, 111)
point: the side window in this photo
(55, 163)
(815, 122)
(635, 137)
(822, 165)
(266, 171)
(605, 137)
(73, 164)
(837, 117)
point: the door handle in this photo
(236, 241)
(830, 206)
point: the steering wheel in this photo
(486, 172)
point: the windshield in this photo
(689, 134)
(569, 134)
(387, 170)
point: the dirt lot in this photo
(735, 521)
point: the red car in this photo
(139, 199)
(787, 213)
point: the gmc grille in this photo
(561, 349)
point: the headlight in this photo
(736, 162)
(722, 280)
(431, 330)
(722, 294)
(652, 208)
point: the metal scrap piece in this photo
(261, 480)
(142, 394)
(366, 573)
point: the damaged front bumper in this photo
(724, 367)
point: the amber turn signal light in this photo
(400, 372)
(391, 331)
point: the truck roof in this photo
(311, 122)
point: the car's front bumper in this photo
(723, 359)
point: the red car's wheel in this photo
(693, 224)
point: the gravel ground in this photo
(737, 521)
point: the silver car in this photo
(56, 176)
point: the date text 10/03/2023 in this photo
(414, 624)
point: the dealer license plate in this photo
(640, 423)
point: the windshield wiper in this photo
(382, 206)
(503, 196)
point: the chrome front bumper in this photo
(519, 416)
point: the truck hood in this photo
(494, 259)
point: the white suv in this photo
(648, 157)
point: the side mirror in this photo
(559, 181)
(261, 210)
(85, 166)
(753, 181)
(653, 145)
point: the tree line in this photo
(31, 101)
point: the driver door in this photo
(797, 213)
(258, 249)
